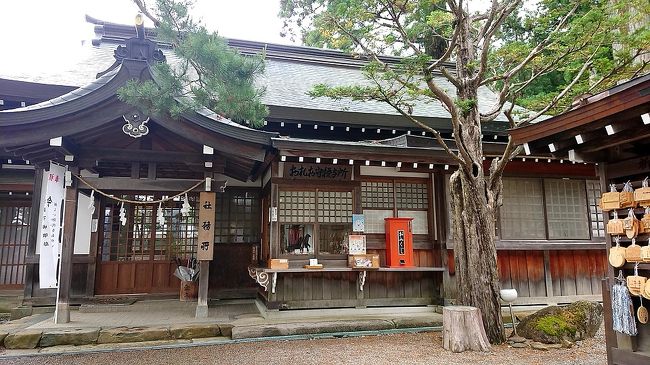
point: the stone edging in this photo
(32, 338)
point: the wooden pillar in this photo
(34, 223)
(62, 313)
(547, 274)
(204, 279)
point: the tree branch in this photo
(500, 12)
(533, 53)
(143, 8)
(564, 91)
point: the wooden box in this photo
(278, 264)
(189, 291)
(399, 242)
(367, 261)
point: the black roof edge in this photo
(113, 32)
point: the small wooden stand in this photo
(463, 329)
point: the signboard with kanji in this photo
(51, 231)
(317, 172)
(205, 244)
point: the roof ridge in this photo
(114, 32)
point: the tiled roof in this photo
(287, 79)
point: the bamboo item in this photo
(636, 283)
(642, 194)
(633, 252)
(615, 225)
(642, 313)
(646, 290)
(645, 252)
(618, 200)
(631, 224)
(644, 224)
(617, 254)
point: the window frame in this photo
(316, 224)
(498, 223)
(395, 207)
(542, 182)
(255, 216)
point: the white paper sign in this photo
(52, 226)
(357, 244)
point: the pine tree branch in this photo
(433, 87)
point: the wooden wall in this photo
(323, 289)
(548, 276)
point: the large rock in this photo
(133, 334)
(27, 339)
(69, 336)
(574, 322)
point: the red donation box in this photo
(399, 242)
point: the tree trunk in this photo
(475, 253)
(463, 329)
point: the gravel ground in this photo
(412, 348)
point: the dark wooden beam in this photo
(594, 131)
(138, 155)
(33, 233)
(626, 99)
(261, 168)
(625, 137)
(222, 143)
(70, 124)
(630, 167)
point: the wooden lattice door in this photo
(14, 233)
(139, 257)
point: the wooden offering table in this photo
(306, 288)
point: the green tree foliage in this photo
(613, 35)
(209, 73)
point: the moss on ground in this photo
(556, 326)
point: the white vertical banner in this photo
(52, 201)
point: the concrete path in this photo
(173, 322)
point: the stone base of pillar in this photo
(62, 313)
(201, 311)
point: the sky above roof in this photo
(45, 36)
(37, 33)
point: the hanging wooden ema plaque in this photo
(205, 247)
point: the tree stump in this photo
(462, 329)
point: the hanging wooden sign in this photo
(308, 171)
(205, 246)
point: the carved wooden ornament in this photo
(136, 125)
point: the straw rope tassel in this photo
(138, 201)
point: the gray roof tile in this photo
(287, 83)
